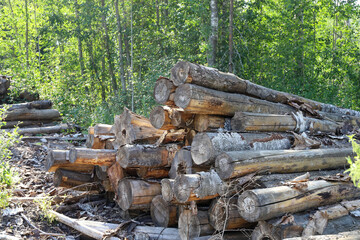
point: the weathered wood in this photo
(60, 159)
(224, 215)
(136, 194)
(103, 129)
(164, 91)
(259, 122)
(131, 156)
(68, 179)
(42, 130)
(134, 128)
(26, 123)
(101, 157)
(94, 142)
(203, 122)
(200, 100)
(194, 225)
(91, 130)
(185, 72)
(183, 164)
(4, 85)
(41, 104)
(263, 204)
(199, 186)
(167, 118)
(352, 235)
(163, 213)
(115, 174)
(239, 163)
(154, 173)
(167, 191)
(207, 146)
(101, 172)
(32, 114)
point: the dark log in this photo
(60, 159)
(200, 100)
(154, 173)
(136, 194)
(41, 104)
(203, 122)
(185, 72)
(263, 204)
(102, 129)
(101, 172)
(101, 157)
(164, 92)
(115, 173)
(163, 214)
(32, 114)
(258, 122)
(236, 164)
(39, 123)
(167, 118)
(4, 85)
(131, 156)
(207, 146)
(69, 179)
(42, 130)
(167, 191)
(194, 225)
(199, 186)
(224, 215)
(109, 144)
(183, 164)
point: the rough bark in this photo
(203, 122)
(163, 213)
(207, 146)
(167, 118)
(101, 157)
(94, 142)
(32, 114)
(263, 204)
(239, 163)
(60, 159)
(192, 225)
(152, 173)
(136, 194)
(164, 91)
(201, 100)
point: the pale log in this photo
(207, 146)
(203, 122)
(239, 163)
(131, 156)
(183, 164)
(115, 173)
(185, 72)
(41, 130)
(259, 122)
(163, 213)
(60, 159)
(101, 157)
(68, 179)
(167, 191)
(263, 204)
(199, 186)
(194, 225)
(164, 91)
(136, 194)
(200, 100)
(224, 215)
(167, 118)
(102, 129)
(32, 114)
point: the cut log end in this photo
(180, 73)
(181, 188)
(162, 213)
(162, 90)
(223, 166)
(158, 117)
(201, 149)
(183, 96)
(124, 192)
(248, 206)
(167, 191)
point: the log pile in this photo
(220, 154)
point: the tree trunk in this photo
(107, 48)
(231, 42)
(60, 159)
(199, 186)
(131, 156)
(207, 146)
(201, 100)
(121, 60)
(167, 118)
(69, 179)
(163, 214)
(32, 114)
(101, 157)
(258, 122)
(164, 91)
(27, 34)
(136, 194)
(78, 33)
(224, 215)
(192, 225)
(263, 204)
(203, 122)
(240, 163)
(167, 191)
(214, 32)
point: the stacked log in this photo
(220, 153)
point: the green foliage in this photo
(8, 177)
(45, 206)
(354, 169)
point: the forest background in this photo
(93, 57)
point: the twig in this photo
(41, 231)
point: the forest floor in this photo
(27, 219)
